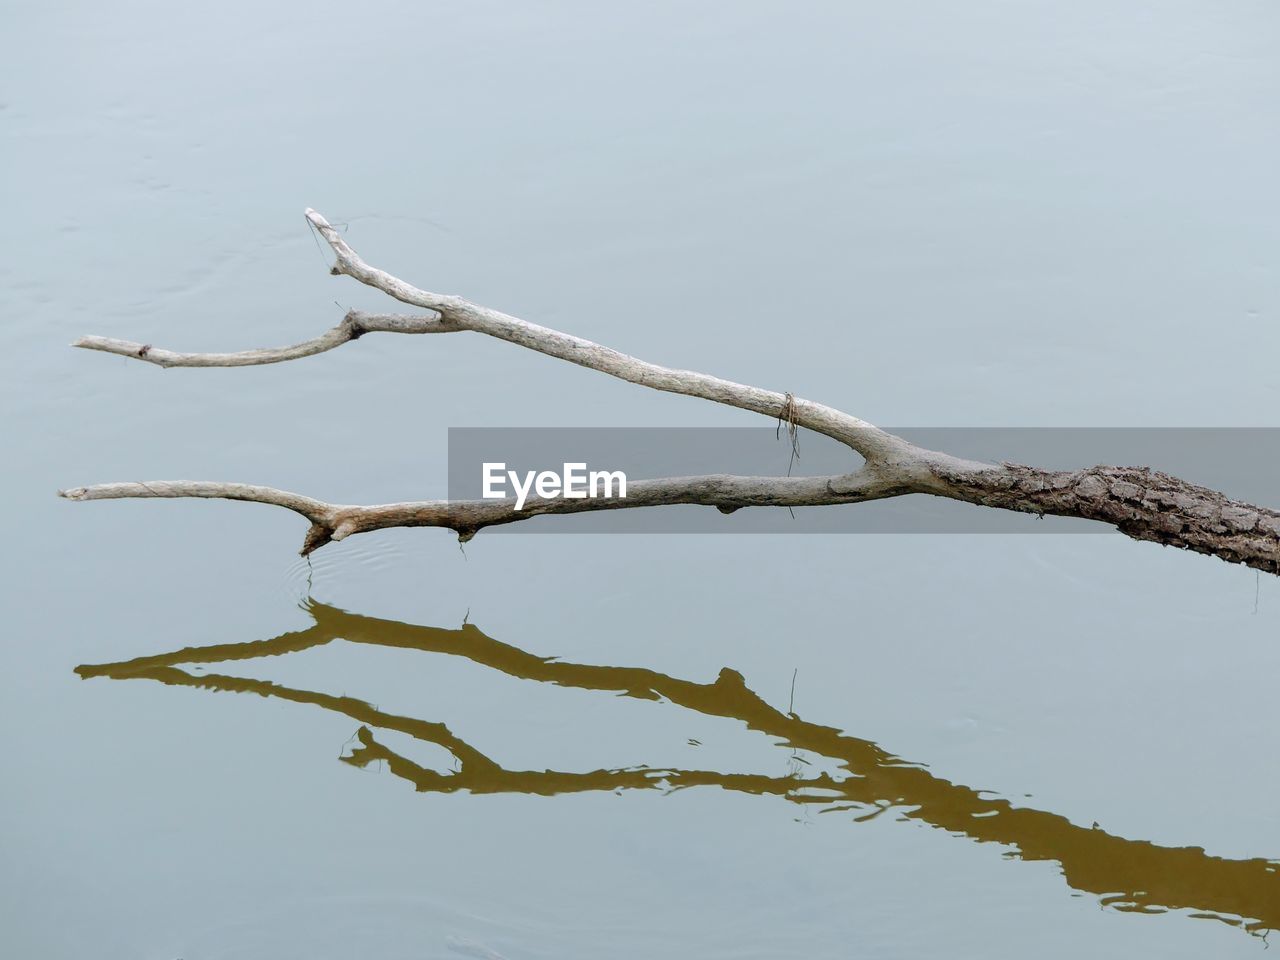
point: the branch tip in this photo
(317, 536)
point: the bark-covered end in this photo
(1141, 503)
(317, 536)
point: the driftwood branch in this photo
(1141, 503)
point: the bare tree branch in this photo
(1142, 503)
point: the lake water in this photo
(557, 746)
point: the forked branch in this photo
(1141, 503)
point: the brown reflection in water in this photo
(1129, 875)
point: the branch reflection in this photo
(1128, 875)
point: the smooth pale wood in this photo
(353, 326)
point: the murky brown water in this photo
(630, 746)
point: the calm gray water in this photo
(981, 214)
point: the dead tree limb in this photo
(1142, 503)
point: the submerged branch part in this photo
(1141, 503)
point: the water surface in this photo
(757, 746)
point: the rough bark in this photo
(1139, 502)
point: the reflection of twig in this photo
(1244, 893)
(795, 760)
